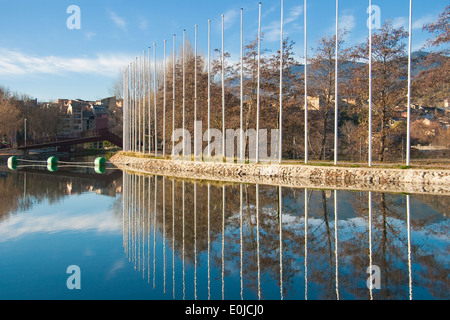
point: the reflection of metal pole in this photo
(148, 226)
(184, 236)
(223, 242)
(195, 240)
(164, 228)
(154, 229)
(209, 241)
(257, 240)
(370, 242)
(408, 223)
(280, 227)
(241, 241)
(306, 244)
(336, 241)
(173, 233)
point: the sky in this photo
(49, 51)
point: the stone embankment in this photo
(294, 175)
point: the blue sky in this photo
(40, 56)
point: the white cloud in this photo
(294, 14)
(26, 224)
(347, 22)
(229, 18)
(18, 63)
(399, 22)
(118, 21)
(419, 23)
(143, 23)
(90, 35)
(272, 30)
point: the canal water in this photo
(79, 234)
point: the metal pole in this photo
(139, 101)
(195, 94)
(336, 78)
(223, 89)
(164, 103)
(131, 107)
(143, 101)
(173, 96)
(408, 130)
(258, 88)
(154, 98)
(128, 108)
(370, 83)
(209, 88)
(306, 85)
(25, 131)
(280, 135)
(149, 86)
(241, 135)
(184, 91)
(135, 106)
(125, 110)
(123, 115)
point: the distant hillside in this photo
(417, 64)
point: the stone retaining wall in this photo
(376, 179)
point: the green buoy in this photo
(12, 163)
(100, 169)
(100, 161)
(52, 161)
(52, 167)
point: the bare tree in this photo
(389, 71)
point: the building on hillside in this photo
(101, 117)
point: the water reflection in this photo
(165, 238)
(207, 240)
(28, 187)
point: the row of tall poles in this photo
(140, 216)
(137, 85)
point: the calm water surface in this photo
(152, 237)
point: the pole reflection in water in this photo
(306, 243)
(257, 242)
(370, 243)
(408, 226)
(336, 242)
